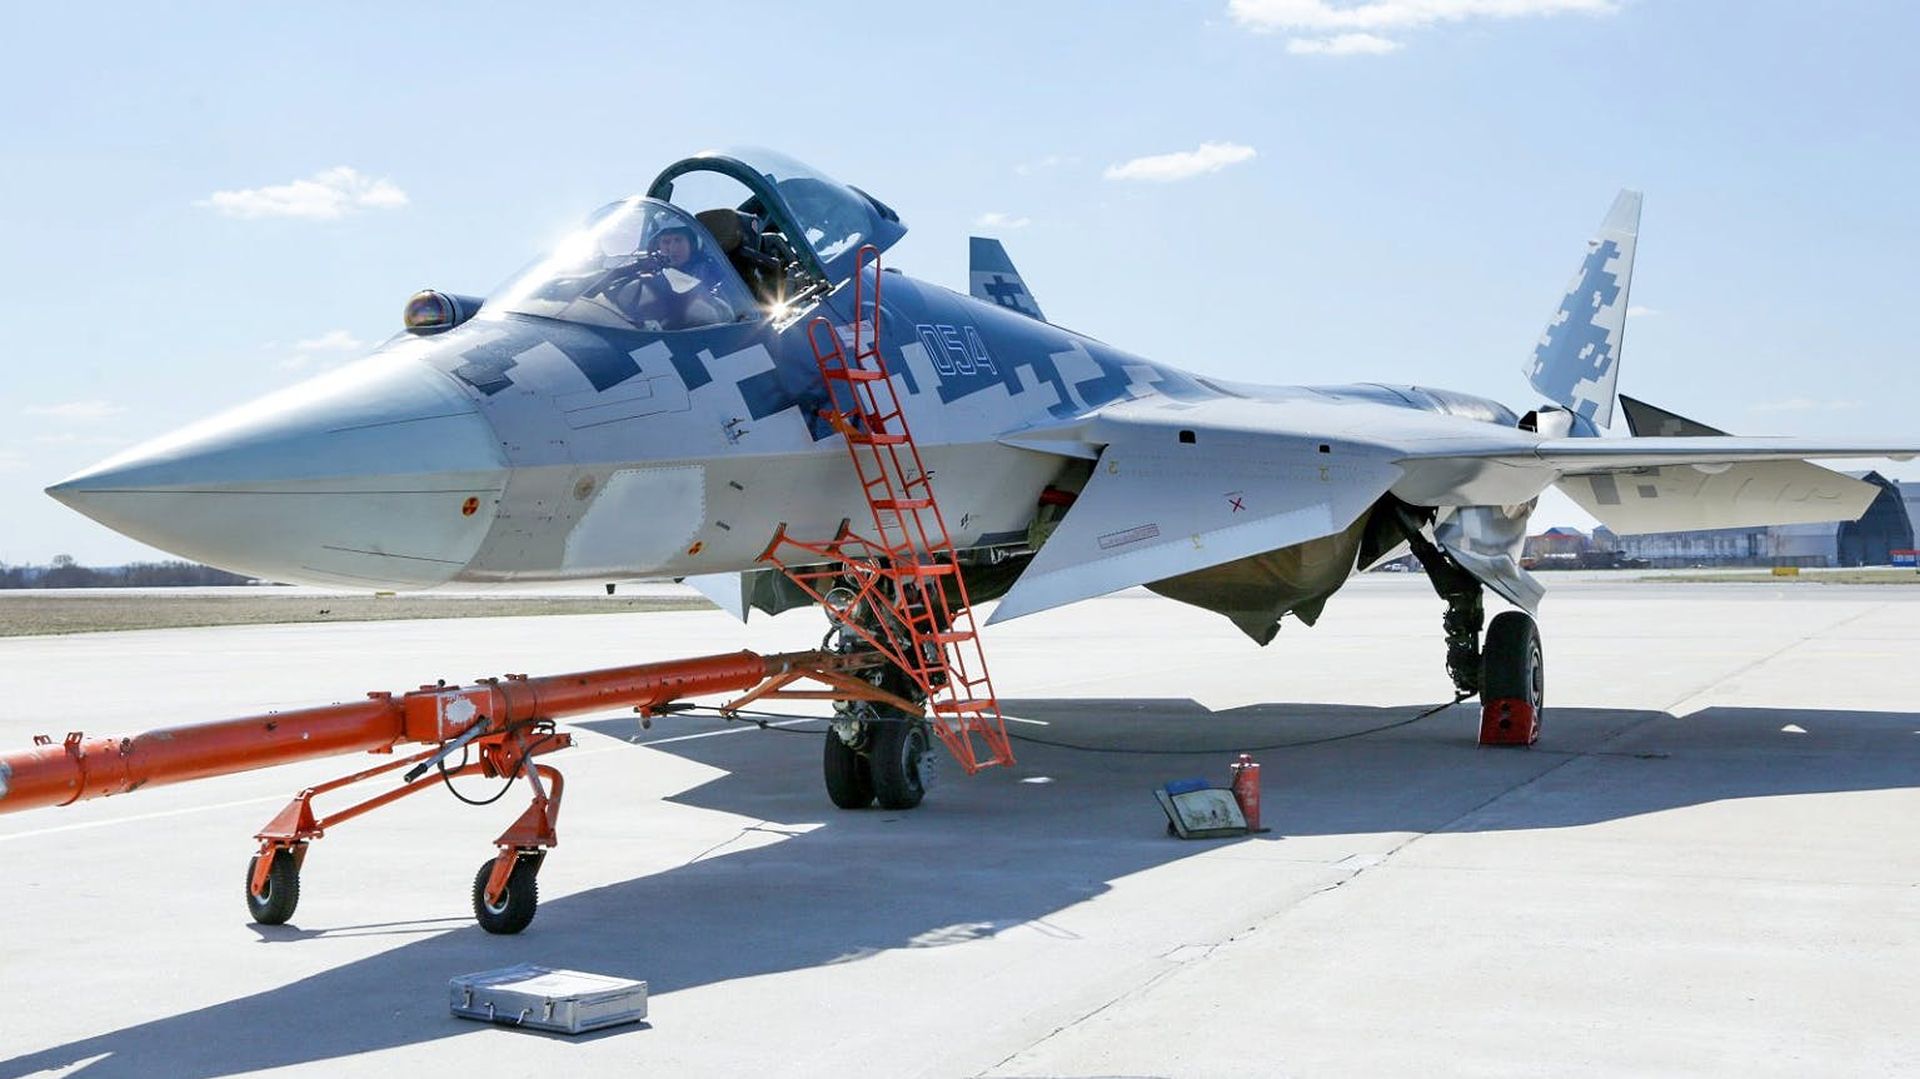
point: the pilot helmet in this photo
(693, 241)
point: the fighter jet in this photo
(657, 399)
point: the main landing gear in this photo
(1512, 682)
(1509, 674)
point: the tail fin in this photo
(1577, 360)
(992, 278)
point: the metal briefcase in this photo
(565, 1001)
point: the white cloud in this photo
(1028, 168)
(1352, 27)
(1325, 16)
(331, 341)
(324, 196)
(68, 438)
(10, 460)
(994, 219)
(321, 350)
(1342, 45)
(84, 411)
(1804, 404)
(1182, 165)
(1638, 311)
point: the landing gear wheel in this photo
(515, 910)
(901, 759)
(1513, 679)
(849, 776)
(275, 905)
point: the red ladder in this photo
(908, 571)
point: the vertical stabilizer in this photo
(992, 278)
(1577, 360)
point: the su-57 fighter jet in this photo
(713, 380)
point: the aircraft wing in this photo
(1578, 455)
(1663, 484)
(1163, 502)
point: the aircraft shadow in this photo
(1010, 847)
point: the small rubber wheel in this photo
(900, 759)
(276, 905)
(1512, 663)
(849, 777)
(515, 909)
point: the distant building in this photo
(1559, 542)
(1569, 548)
(1888, 525)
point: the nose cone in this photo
(382, 474)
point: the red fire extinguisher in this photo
(1246, 789)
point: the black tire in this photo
(1512, 664)
(849, 777)
(898, 756)
(276, 905)
(517, 906)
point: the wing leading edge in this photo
(1164, 502)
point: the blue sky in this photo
(1394, 190)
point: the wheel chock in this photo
(1508, 721)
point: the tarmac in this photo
(1708, 865)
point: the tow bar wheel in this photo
(517, 904)
(274, 905)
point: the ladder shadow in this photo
(1006, 849)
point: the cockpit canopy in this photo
(639, 263)
(646, 263)
(833, 220)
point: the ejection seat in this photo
(764, 259)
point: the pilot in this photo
(683, 290)
(676, 245)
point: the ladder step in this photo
(855, 374)
(970, 704)
(898, 504)
(926, 569)
(862, 439)
(954, 637)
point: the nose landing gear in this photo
(876, 751)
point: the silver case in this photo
(563, 1001)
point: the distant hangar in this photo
(1890, 525)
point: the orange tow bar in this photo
(496, 725)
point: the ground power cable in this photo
(760, 719)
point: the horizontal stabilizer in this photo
(1157, 508)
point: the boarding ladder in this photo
(907, 572)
